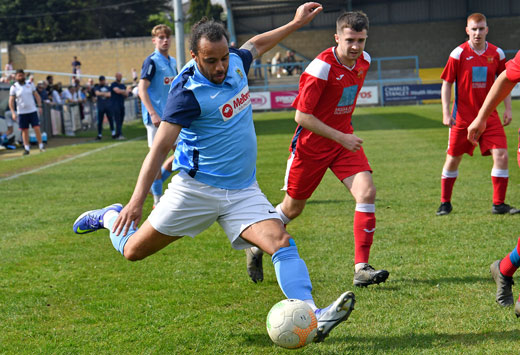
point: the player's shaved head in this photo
(477, 17)
(157, 30)
(356, 20)
(211, 30)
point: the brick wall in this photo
(431, 41)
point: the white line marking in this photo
(15, 176)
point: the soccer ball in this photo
(291, 324)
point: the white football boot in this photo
(337, 312)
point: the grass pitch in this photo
(61, 293)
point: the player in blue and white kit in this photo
(157, 74)
(216, 156)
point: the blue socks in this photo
(291, 272)
(165, 174)
(157, 185)
(118, 241)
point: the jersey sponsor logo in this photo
(346, 103)
(479, 77)
(168, 80)
(236, 104)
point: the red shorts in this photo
(493, 137)
(305, 170)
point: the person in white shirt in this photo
(26, 113)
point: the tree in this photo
(29, 21)
(200, 8)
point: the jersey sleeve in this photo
(181, 107)
(513, 68)
(312, 83)
(148, 69)
(12, 91)
(449, 73)
(245, 55)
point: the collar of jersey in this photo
(162, 57)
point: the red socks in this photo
(364, 228)
(500, 178)
(447, 181)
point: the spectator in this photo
(76, 67)
(9, 66)
(56, 94)
(41, 89)
(118, 94)
(258, 68)
(135, 77)
(68, 95)
(289, 58)
(26, 98)
(102, 92)
(50, 84)
(275, 67)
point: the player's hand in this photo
(131, 213)
(475, 130)
(156, 120)
(448, 120)
(351, 142)
(307, 12)
(13, 116)
(508, 117)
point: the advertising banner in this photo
(282, 99)
(411, 92)
(369, 95)
(260, 100)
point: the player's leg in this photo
(136, 244)
(502, 272)
(450, 172)
(362, 188)
(303, 174)
(293, 276)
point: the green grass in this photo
(64, 294)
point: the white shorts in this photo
(188, 207)
(151, 130)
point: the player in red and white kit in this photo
(473, 66)
(325, 139)
(501, 270)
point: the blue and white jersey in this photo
(160, 72)
(217, 142)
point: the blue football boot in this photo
(91, 221)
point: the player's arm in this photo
(447, 118)
(508, 110)
(164, 139)
(313, 124)
(145, 98)
(500, 90)
(11, 107)
(263, 42)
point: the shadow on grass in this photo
(363, 122)
(401, 342)
(426, 341)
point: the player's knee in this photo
(367, 195)
(280, 240)
(133, 254)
